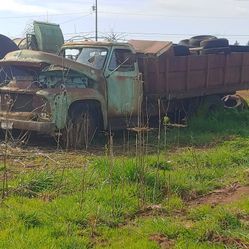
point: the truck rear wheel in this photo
(210, 104)
(81, 127)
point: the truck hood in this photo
(40, 60)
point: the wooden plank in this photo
(158, 83)
(187, 74)
(242, 68)
(145, 73)
(207, 72)
(167, 76)
(225, 71)
(192, 74)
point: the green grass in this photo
(203, 131)
(87, 201)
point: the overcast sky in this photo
(148, 19)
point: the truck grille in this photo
(19, 102)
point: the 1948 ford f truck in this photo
(91, 86)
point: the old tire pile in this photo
(195, 41)
(208, 44)
(215, 46)
(214, 43)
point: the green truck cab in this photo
(88, 87)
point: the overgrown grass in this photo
(122, 201)
(213, 129)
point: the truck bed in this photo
(194, 75)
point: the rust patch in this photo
(151, 47)
(31, 59)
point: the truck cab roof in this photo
(72, 44)
(137, 46)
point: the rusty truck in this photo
(91, 86)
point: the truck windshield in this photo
(91, 56)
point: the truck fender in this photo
(67, 98)
(100, 109)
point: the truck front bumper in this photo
(27, 125)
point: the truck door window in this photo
(121, 60)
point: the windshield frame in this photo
(86, 55)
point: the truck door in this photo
(124, 90)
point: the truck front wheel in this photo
(81, 127)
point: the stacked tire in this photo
(196, 41)
(185, 43)
(208, 44)
(215, 46)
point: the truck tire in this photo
(209, 104)
(235, 101)
(196, 40)
(185, 43)
(192, 106)
(180, 50)
(6, 46)
(81, 127)
(224, 50)
(214, 43)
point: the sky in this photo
(170, 20)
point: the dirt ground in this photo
(226, 195)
